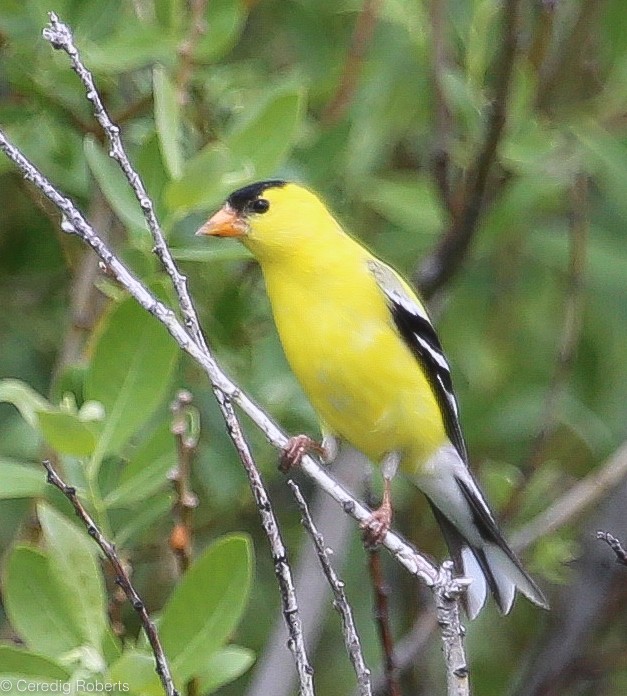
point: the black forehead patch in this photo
(240, 199)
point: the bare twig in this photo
(382, 619)
(337, 529)
(362, 34)
(279, 553)
(186, 434)
(615, 545)
(351, 639)
(452, 634)
(569, 55)
(409, 647)
(122, 578)
(442, 263)
(579, 498)
(60, 36)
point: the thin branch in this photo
(279, 553)
(452, 634)
(362, 35)
(579, 498)
(122, 578)
(337, 529)
(186, 435)
(60, 36)
(349, 630)
(569, 56)
(409, 647)
(382, 619)
(615, 545)
(442, 263)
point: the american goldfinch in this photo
(364, 350)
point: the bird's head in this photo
(272, 218)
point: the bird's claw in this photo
(295, 449)
(377, 526)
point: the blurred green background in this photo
(386, 108)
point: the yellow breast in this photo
(340, 341)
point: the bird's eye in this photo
(260, 205)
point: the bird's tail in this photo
(477, 547)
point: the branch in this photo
(122, 578)
(279, 553)
(452, 633)
(362, 34)
(615, 545)
(442, 263)
(351, 639)
(186, 435)
(580, 497)
(382, 619)
(60, 36)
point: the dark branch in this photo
(161, 663)
(449, 254)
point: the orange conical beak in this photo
(225, 223)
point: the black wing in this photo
(415, 327)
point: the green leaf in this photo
(168, 121)
(130, 372)
(36, 605)
(169, 13)
(255, 148)
(206, 605)
(113, 184)
(18, 661)
(67, 434)
(25, 399)
(262, 140)
(223, 666)
(74, 564)
(205, 181)
(224, 252)
(478, 50)
(135, 46)
(146, 470)
(410, 201)
(20, 480)
(135, 668)
(224, 22)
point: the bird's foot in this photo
(296, 448)
(377, 525)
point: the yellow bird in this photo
(366, 354)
